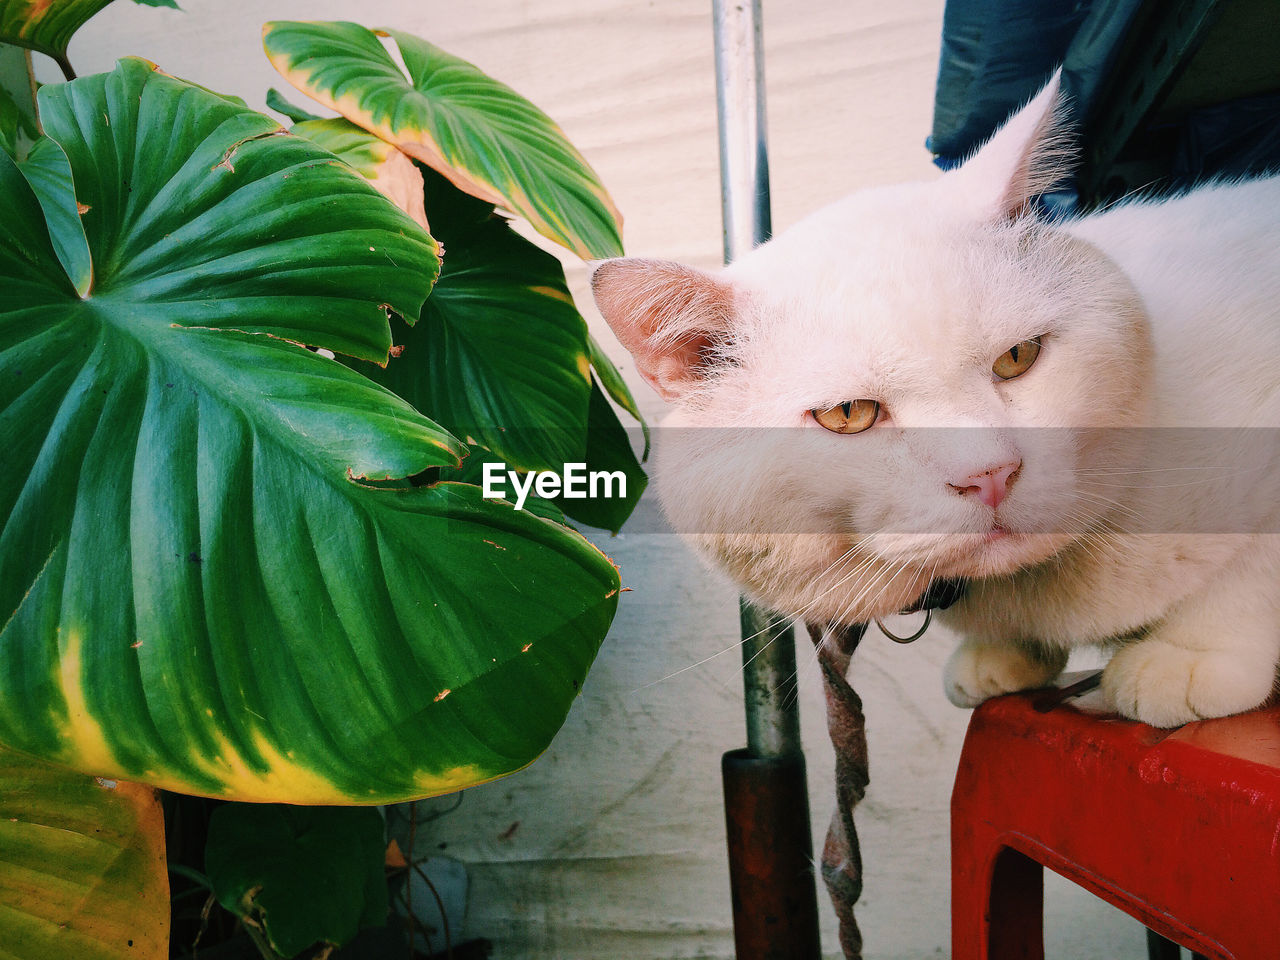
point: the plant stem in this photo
(195, 876)
(408, 883)
(444, 917)
(414, 925)
(67, 70)
(260, 940)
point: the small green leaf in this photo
(49, 173)
(305, 875)
(482, 135)
(171, 4)
(82, 866)
(364, 152)
(277, 102)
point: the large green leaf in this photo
(198, 589)
(82, 866)
(481, 134)
(500, 354)
(302, 874)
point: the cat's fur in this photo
(1154, 314)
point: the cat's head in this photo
(913, 382)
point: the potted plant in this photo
(245, 404)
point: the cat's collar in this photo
(939, 595)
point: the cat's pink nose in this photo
(990, 486)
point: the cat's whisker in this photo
(1216, 478)
(1086, 543)
(1087, 493)
(843, 578)
(1142, 471)
(858, 600)
(813, 655)
(772, 640)
(797, 619)
(1110, 502)
(1098, 538)
(839, 561)
(803, 671)
(729, 649)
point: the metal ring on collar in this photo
(928, 616)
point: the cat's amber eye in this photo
(852, 416)
(1017, 360)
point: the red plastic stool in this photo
(1179, 828)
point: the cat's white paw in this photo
(1167, 685)
(978, 672)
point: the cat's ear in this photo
(1031, 154)
(669, 316)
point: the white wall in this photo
(612, 845)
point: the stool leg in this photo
(1159, 948)
(1016, 929)
(1002, 919)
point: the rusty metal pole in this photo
(771, 875)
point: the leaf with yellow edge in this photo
(45, 25)
(82, 866)
(390, 171)
(482, 135)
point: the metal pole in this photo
(744, 160)
(769, 682)
(775, 913)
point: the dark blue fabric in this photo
(997, 53)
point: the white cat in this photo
(929, 381)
